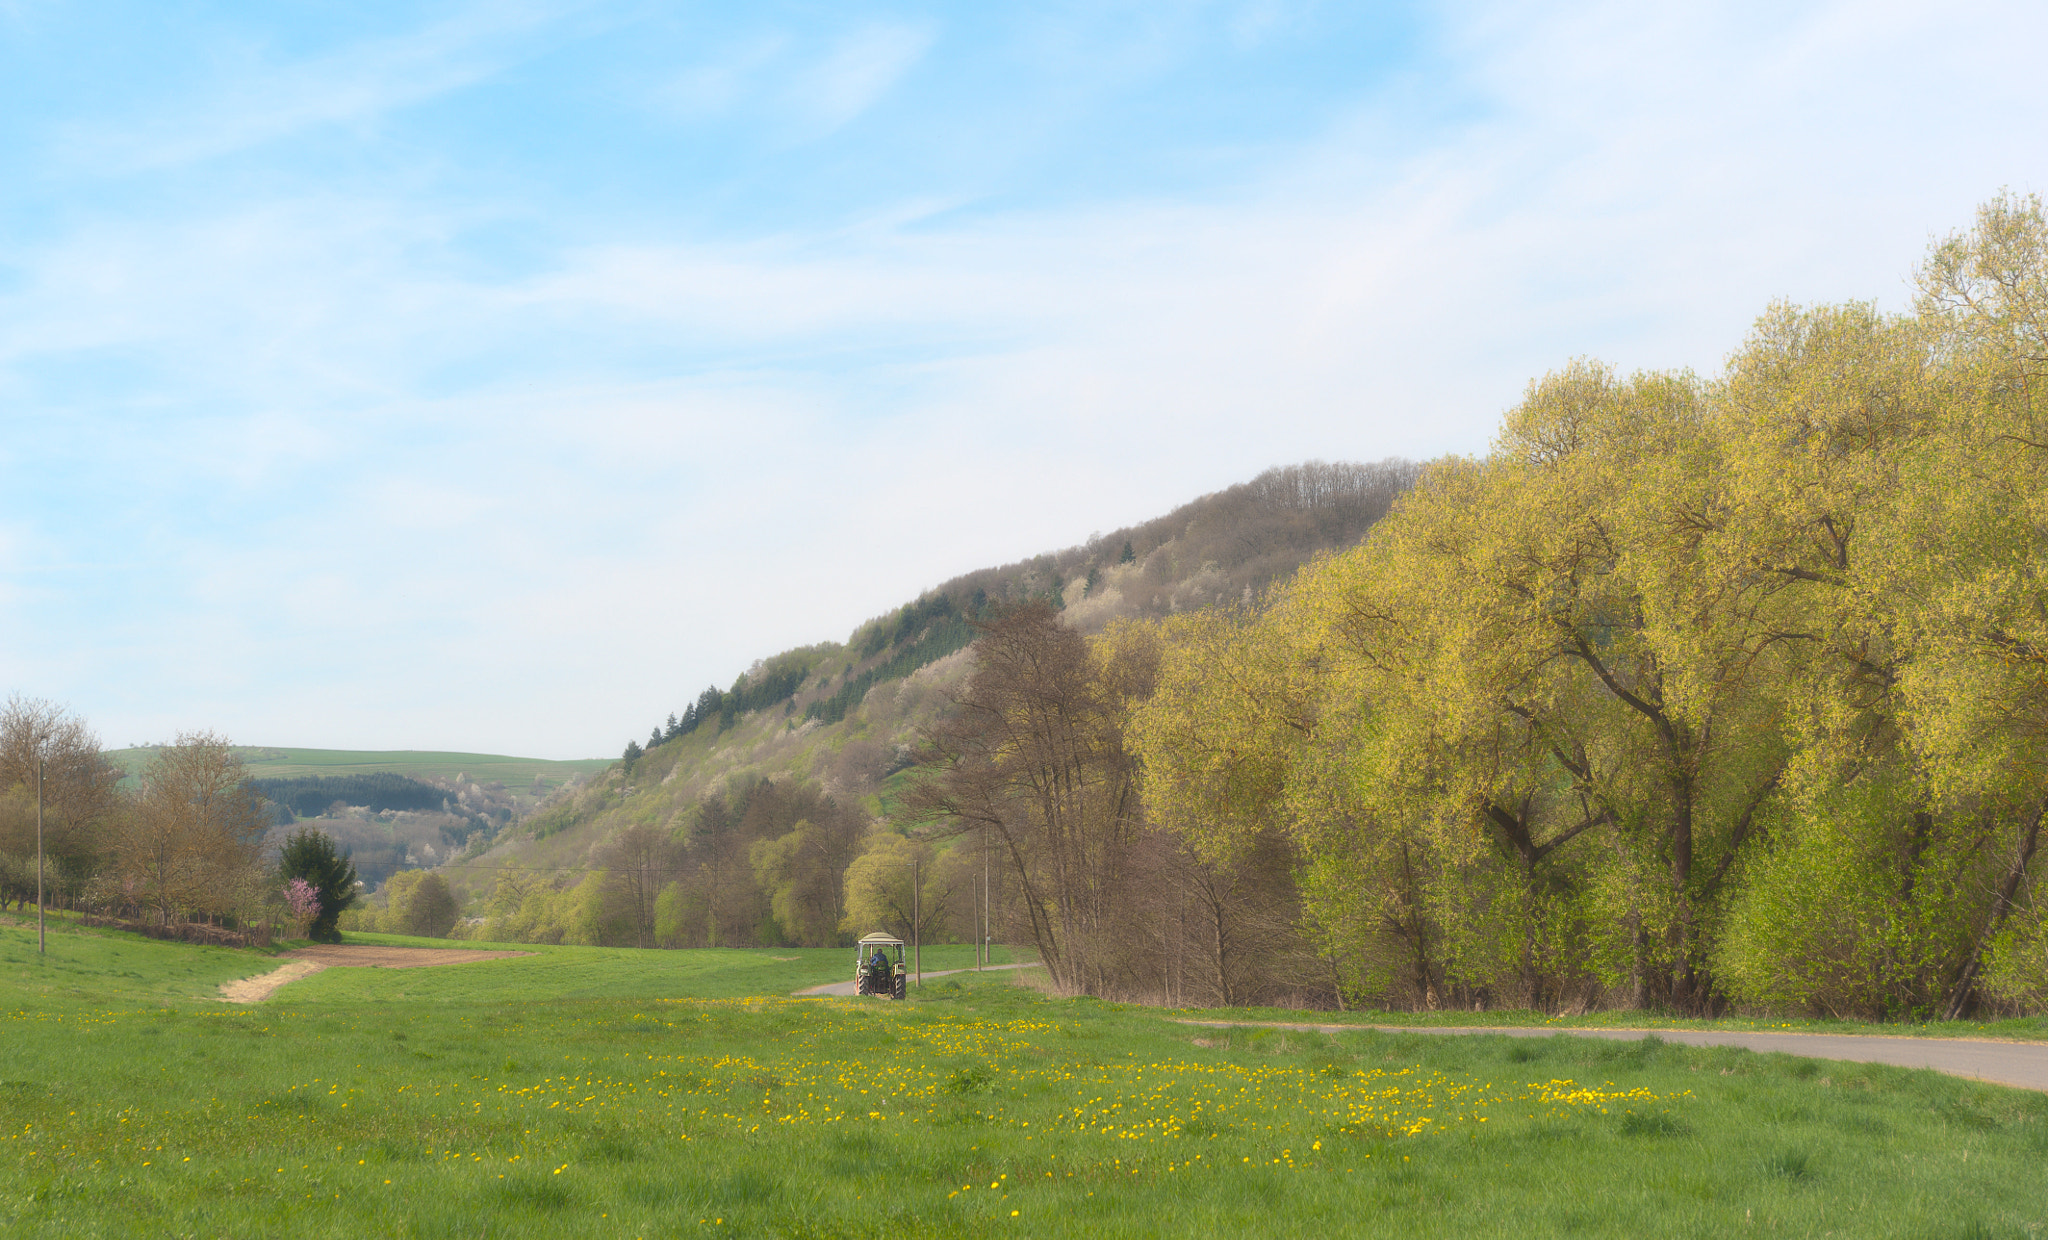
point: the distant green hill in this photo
(483, 768)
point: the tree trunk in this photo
(1966, 980)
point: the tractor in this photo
(889, 979)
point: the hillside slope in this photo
(840, 718)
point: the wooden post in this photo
(41, 946)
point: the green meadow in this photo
(598, 1092)
(275, 763)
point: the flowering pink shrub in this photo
(303, 898)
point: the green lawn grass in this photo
(603, 973)
(584, 1091)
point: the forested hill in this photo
(1225, 547)
(839, 718)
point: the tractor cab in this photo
(878, 967)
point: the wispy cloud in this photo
(860, 69)
(712, 87)
(259, 100)
(807, 90)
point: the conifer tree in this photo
(309, 854)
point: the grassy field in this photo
(272, 763)
(584, 1091)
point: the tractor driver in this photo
(878, 967)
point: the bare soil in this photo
(307, 961)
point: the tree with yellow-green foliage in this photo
(896, 886)
(1688, 692)
(419, 902)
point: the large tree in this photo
(46, 749)
(895, 885)
(636, 864)
(310, 854)
(803, 869)
(1033, 752)
(192, 842)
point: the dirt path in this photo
(307, 961)
(251, 989)
(853, 988)
(2021, 1064)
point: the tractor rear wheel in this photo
(901, 988)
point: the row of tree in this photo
(188, 846)
(1690, 693)
(772, 863)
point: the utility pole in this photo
(916, 930)
(987, 913)
(42, 947)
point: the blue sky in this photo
(494, 376)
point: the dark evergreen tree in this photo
(764, 688)
(310, 855)
(1094, 578)
(654, 739)
(632, 755)
(1129, 556)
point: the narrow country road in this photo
(849, 989)
(2021, 1064)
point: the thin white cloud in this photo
(258, 101)
(713, 87)
(858, 71)
(807, 92)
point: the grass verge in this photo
(2012, 1029)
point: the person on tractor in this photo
(879, 973)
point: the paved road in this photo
(2023, 1064)
(850, 989)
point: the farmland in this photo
(277, 763)
(587, 1091)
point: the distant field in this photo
(614, 1093)
(275, 763)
